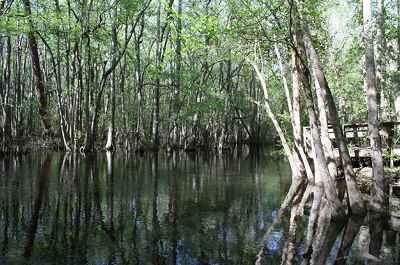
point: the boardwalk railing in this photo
(357, 138)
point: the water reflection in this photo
(41, 190)
(112, 209)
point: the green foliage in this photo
(214, 38)
(387, 156)
(129, 7)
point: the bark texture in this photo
(378, 187)
(37, 72)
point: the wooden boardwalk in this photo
(357, 139)
(360, 153)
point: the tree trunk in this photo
(381, 62)
(326, 141)
(37, 72)
(321, 163)
(298, 153)
(111, 127)
(19, 92)
(5, 121)
(177, 87)
(156, 107)
(355, 199)
(139, 76)
(293, 163)
(377, 191)
(88, 69)
(296, 102)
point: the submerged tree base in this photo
(334, 236)
(25, 145)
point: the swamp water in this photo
(112, 209)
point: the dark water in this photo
(112, 209)
(183, 210)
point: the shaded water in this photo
(182, 210)
(112, 209)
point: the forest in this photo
(140, 75)
(318, 82)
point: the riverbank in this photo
(26, 145)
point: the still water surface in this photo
(62, 209)
(112, 209)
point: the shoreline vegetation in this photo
(182, 75)
(32, 144)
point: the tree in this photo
(37, 71)
(372, 102)
(177, 81)
(111, 129)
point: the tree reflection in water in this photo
(112, 209)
